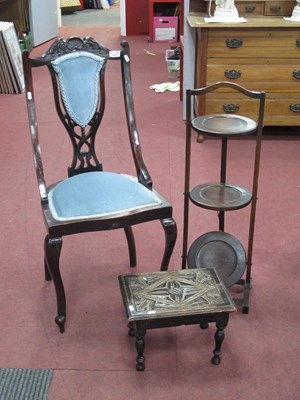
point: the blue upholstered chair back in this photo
(78, 76)
(77, 67)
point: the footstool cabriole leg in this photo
(204, 323)
(130, 329)
(140, 332)
(219, 337)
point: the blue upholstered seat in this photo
(99, 194)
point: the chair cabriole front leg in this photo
(52, 253)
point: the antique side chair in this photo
(89, 198)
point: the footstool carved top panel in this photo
(174, 293)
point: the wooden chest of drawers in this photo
(268, 7)
(262, 54)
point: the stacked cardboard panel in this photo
(11, 68)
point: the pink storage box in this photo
(165, 29)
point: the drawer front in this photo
(231, 105)
(263, 75)
(279, 8)
(254, 7)
(239, 43)
(269, 8)
(282, 110)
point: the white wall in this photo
(123, 17)
(188, 56)
(43, 20)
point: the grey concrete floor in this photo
(90, 17)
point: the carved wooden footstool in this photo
(173, 298)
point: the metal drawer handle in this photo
(295, 107)
(232, 73)
(234, 43)
(298, 42)
(275, 10)
(231, 108)
(250, 8)
(296, 73)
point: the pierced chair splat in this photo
(89, 198)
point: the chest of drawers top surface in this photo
(268, 7)
(196, 20)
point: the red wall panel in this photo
(137, 17)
